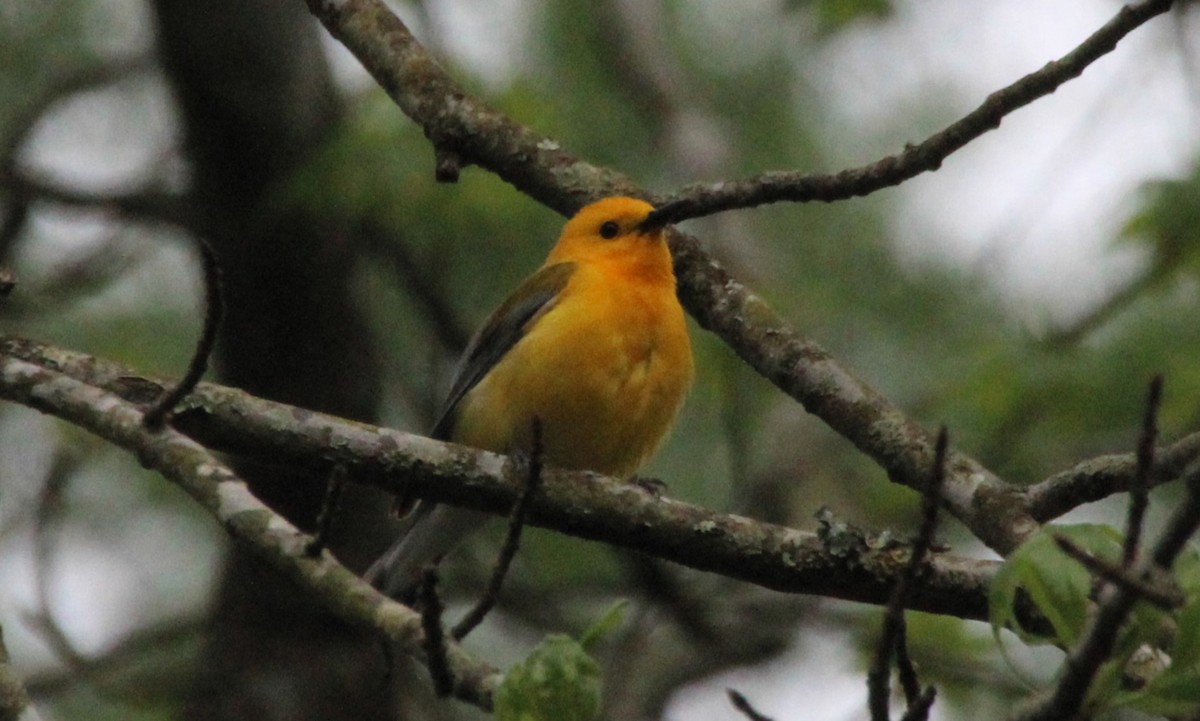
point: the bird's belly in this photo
(604, 398)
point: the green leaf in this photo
(1106, 690)
(1185, 653)
(559, 681)
(602, 626)
(1187, 572)
(1057, 584)
(1168, 222)
(1175, 694)
(835, 15)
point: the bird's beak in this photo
(663, 215)
(653, 222)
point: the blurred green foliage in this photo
(559, 679)
(945, 345)
(835, 15)
(1156, 659)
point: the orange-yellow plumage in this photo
(593, 344)
(605, 367)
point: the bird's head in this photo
(612, 228)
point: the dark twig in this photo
(663, 588)
(214, 310)
(122, 667)
(1182, 524)
(15, 210)
(46, 521)
(329, 506)
(146, 205)
(892, 635)
(14, 697)
(1120, 300)
(422, 283)
(434, 642)
(516, 523)
(919, 711)
(928, 155)
(1165, 597)
(742, 704)
(906, 671)
(448, 165)
(8, 281)
(1140, 489)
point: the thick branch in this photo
(843, 565)
(1101, 477)
(991, 508)
(454, 120)
(538, 166)
(224, 495)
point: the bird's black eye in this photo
(609, 230)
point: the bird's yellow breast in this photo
(605, 369)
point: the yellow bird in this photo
(593, 344)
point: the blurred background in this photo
(1023, 295)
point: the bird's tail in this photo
(431, 532)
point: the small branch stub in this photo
(8, 281)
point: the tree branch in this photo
(1101, 477)
(1098, 639)
(842, 564)
(538, 166)
(772, 187)
(214, 310)
(455, 120)
(992, 509)
(145, 204)
(221, 493)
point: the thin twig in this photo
(662, 588)
(122, 667)
(742, 704)
(448, 165)
(46, 521)
(928, 155)
(1140, 489)
(422, 283)
(143, 204)
(223, 494)
(892, 635)
(919, 711)
(214, 310)
(1167, 598)
(516, 522)
(434, 641)
(14, 697)
(906, 671)
(329, 506)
